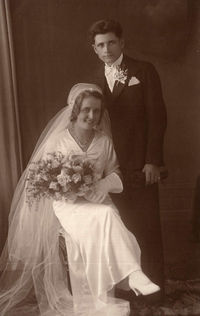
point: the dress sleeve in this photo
(111, 164)
(49, 147)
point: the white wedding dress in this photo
(101, 251)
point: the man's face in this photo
(108, 47)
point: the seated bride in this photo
(65, 190)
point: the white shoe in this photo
(141, 284)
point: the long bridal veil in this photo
(34, 280)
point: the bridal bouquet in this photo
(59, 177)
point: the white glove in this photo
(111, 183)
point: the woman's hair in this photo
(103, 27)
(78, 103)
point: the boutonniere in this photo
(121, 74)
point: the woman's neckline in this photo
(84, 147)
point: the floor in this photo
(182, 299)
(182, 270)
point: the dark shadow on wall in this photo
(52, 51)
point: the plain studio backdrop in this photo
(51, 53)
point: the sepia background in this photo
(49, 52)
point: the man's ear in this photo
(94, 47)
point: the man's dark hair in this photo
(103, 27)
(78, 103)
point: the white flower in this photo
(49, 157)
(121, 74)
(34, 167)
(55, 164)
(64, 174)
(59, 156)
(62, 180)
(38, 177)
(76, 177)
(78, 168)
(53, 185)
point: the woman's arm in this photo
(111, 182)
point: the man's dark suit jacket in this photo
(138, 121)
(138, 116)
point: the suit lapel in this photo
(119, 86)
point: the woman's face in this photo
(89, 114)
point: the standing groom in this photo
(135, 104)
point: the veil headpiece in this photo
(30, 260)
(79, 88)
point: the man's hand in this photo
(152, 173)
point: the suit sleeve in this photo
(156, 118)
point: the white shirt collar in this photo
(116, 63)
